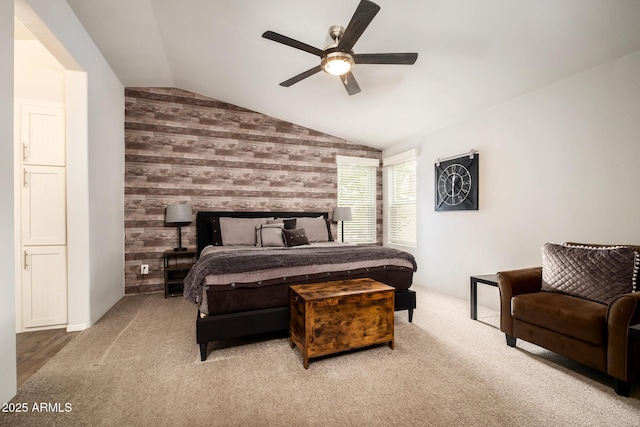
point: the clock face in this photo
(456, 184)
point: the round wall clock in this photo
(456, 183)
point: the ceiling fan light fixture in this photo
(337, 63)
(338, 58)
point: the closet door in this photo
(42, 135)
(44, 286)
(44, 217)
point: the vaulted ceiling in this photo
(472, 55)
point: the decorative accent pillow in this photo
(289, 223)
(295, 237)
(240, 231)
(268, 235)
(596, 273)
(316, 228)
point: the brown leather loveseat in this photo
(593, 333)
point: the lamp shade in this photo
(342, 213)
(178, 213)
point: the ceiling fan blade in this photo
(279, 38)
(350, 83)
(361, 19)
(385, 58)
(301, 76)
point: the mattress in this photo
(234, 279)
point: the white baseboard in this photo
(77, 327)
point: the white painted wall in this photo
(38, 75)
(98, 175)
(7, 301)
(78, 236)
(97, 207)
(557, 164)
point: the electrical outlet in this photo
(144, 269)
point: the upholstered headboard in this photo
(204, 229)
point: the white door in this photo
(42, 135)
(44, 216)
(44, 286)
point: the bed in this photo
(242, 287)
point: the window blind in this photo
(401, 213)
(357, 189)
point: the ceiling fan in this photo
(338, 58)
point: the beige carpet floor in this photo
(139, 366)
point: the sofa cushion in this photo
(597, 273)
(567, 315)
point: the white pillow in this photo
(268, 235)
(240, 231)
(315, 228)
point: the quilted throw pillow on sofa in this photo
(597, 274)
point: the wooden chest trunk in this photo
(331, 317)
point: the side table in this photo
(487, 279)
(176, 267)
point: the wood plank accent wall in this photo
(181, 147)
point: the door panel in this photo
(42, 135)
(44, 286)
(43, 206)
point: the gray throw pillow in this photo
(595, 273)
(240, 231)
(316, 228)
(289, 223)
(269, 235)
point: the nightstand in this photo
(176, 267)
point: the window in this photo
(357, 189)
(401, 199)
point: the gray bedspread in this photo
(225, 262)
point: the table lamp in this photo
(178, 214)
(342, 213)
